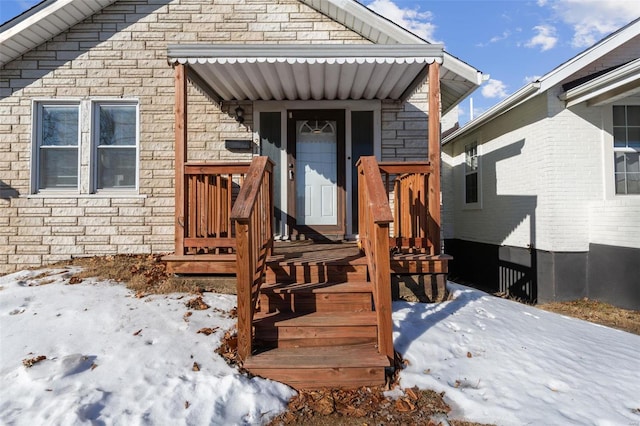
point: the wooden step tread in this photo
(283, 261)
(319, 259)
(315, 319)
(326, 287)
(348, 356)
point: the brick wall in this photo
(121, 53)
(543, 181)
(405, 127)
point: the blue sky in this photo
(514, 41)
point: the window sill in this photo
(472, 206)
(95, 195)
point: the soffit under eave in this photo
(43, 22)
(617, 84)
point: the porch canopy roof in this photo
(307, 72)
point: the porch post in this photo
(434, 156)
(180, 111)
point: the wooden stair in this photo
(315, 325)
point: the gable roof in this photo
(42, 22)
(52, 17)
(617, 81)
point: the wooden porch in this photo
(310, 317)
(311, 314)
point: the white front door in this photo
(317, 179)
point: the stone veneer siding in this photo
(121, 52)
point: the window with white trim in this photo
(626, 148)
(108, 136)
(115, 141)
(471, 189)
(57, 146)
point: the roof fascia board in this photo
(36, 18)
(369, 17)
(509, 103)
(295, 51)
(35, 15)
(399, 35)
(463, 69)
(597, 87)
(555, 76)
(588, 56)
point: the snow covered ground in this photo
(112, 358)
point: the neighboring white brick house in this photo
(116, 57)
(555, 217)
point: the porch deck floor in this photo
(308, 252)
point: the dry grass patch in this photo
(144, 274)
(597, 312)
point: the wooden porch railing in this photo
(252, 214)
(210, 190)
(414, 226)
(374, 216)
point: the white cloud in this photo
(591, 20)
(494, 89)
(412, 19)
(530, 78)
(546, 38)
(500, 37)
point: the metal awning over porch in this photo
(307, 72)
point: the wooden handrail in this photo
(192, 168)
(375, 216)
(252, 214)
(400, 167)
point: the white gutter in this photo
(497, 110)
(619, 78)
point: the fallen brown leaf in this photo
(196, 367)
(30, 362)
(137, 332)
(404, 406)
(411, 393)
(197, 304)
(75, 280)
(207, 330)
